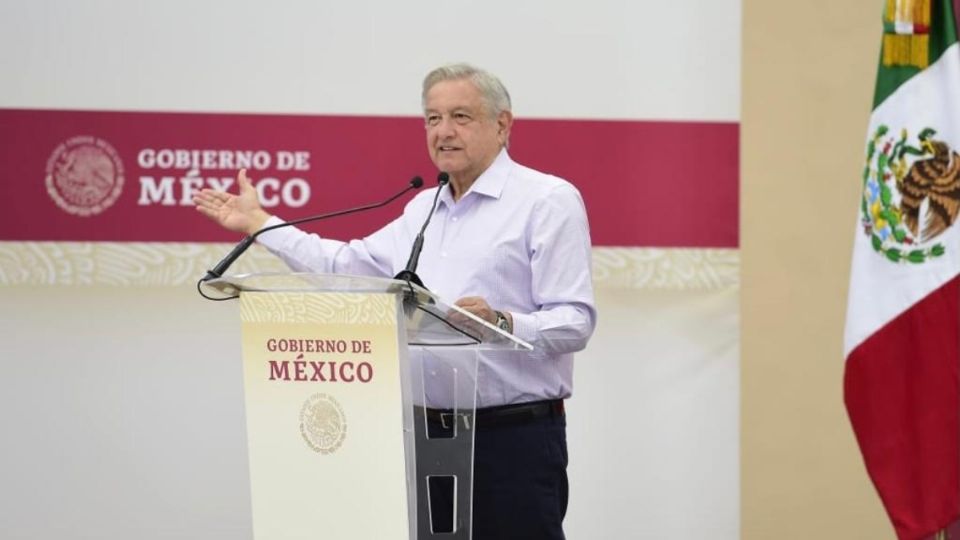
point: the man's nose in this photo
(445, 128)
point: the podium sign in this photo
(338, 371)
(323, 388)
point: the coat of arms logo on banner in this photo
(323, 424)
(84, 176)
(911, 194)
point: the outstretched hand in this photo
(239, 213)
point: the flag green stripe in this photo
(943, 33)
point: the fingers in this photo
(213, 196)
(209, 202)
(210, 197)
(244, 182)
(466, 300)
(239, 213)
(212, 214)
(478, 306)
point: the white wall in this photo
(642, 59)
(122, 413)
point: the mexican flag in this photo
(902, 339)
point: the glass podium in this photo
(437, 350)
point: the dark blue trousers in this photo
(519, 481)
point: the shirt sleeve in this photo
(308, 252)
(562, 284)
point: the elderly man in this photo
(512, 245)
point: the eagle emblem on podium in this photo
(323, 424)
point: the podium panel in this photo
(322, 383)
(444, 389)
(360, 402)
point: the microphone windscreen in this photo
(416, 182)
(443, 178)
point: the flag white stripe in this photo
(880, 289)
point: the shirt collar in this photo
(490, 183)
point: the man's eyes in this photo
(459, 118)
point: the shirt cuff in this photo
(271, 239)
(524, 326)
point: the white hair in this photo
(493, 91)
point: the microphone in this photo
(415, 183)
(409, 273)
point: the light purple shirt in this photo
(518, 238)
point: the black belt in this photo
(503, 415)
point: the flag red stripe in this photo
(901, 392)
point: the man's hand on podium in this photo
(478, 306)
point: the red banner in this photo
(128, 176)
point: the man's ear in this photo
(504, 123)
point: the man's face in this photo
(462, 137)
